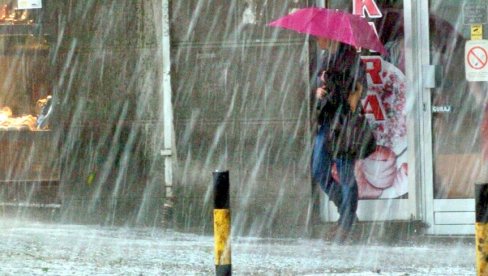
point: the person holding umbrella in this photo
(343, 135)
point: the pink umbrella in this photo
(334, 25)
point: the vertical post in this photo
(481, 227)
(222, 223)
(168, 151)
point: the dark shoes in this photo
(336, 234)
(339, 235)
(347, 237)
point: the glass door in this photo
(454, 110)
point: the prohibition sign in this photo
(477, 58)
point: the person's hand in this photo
(320, 93)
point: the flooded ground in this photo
(48, 249)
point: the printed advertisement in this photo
(384, 174)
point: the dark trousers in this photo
(344, 194)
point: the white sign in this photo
(476, 60)
(29, 4)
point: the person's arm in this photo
(327, 103)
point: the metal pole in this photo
(222, 223)
(481, 228)
(168, 151)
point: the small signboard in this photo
(475, 13)
(476, 60)
(29, 4)
(477, 31)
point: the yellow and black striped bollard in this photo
(222, 223)
(481, 226)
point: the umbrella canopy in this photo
(334, 25)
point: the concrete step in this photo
(389, 232)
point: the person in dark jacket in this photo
(343, 135)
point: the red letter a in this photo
(371, 105)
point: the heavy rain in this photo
(116, 115)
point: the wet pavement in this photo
(50, 249)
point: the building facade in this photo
(242, 100)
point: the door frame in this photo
(444, 216)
